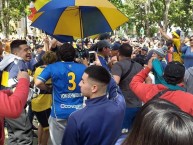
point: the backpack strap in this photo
(128, 72)
(159, 94)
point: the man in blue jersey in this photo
(67, 98)
(100, 122)
(19, 129)
(103, 50)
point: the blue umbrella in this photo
(78, 18)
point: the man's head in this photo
(39, 48)
(160, 53)
(94, 81)
(124, 40)
(174, 73)
(66, 52)
(125, 50)
(191, 40)
(105, 36)
(80, 43)
(21, 49)
(103, 47)
(115, 49)
(49, 57)
(169, 44)
(176, 34)
(144, 50)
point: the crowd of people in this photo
(81, 99)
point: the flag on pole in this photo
(34, 6)
(32, 10)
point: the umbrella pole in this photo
(81, 28)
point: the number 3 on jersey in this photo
(72, 82)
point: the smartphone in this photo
(92, 57)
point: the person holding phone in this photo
(92, 57)
(104, 51)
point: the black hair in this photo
(174, 72)
(16, 43)
(125, 50)
(66, 52)
(104, 36)
(99, 74)
(169, 43)
(161, 123)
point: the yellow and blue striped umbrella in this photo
(78, 18)
(40, 3)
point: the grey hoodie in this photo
(188, 80)
(7, 59)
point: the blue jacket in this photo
(99, 123)
(104, 62)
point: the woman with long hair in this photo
(161, 123)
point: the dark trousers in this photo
(130, 114)
(30, 113)
(19, 130)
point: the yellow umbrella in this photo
(40, 3)
(78, 18)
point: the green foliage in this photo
(12, 10)
(180, 13)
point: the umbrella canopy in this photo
(40, 3)
(78, 18)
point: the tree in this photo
(11, 10)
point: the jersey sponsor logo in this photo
(71, 106)
(70, 95)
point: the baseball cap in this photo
(116, 46)
(144, 48)
(39, 46)
(160, 52)
(174, 72)
(177, 33)
(104, 36)
(103, 43)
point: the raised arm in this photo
(13, 104)
(165, 35)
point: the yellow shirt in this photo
(42, 101)
(177, 55)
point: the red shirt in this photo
(11, 105)
(145, 92)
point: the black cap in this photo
(104, 36)
(39, 46)
(103, 43)
(174, 72)
(145, 48)
(116, 46)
